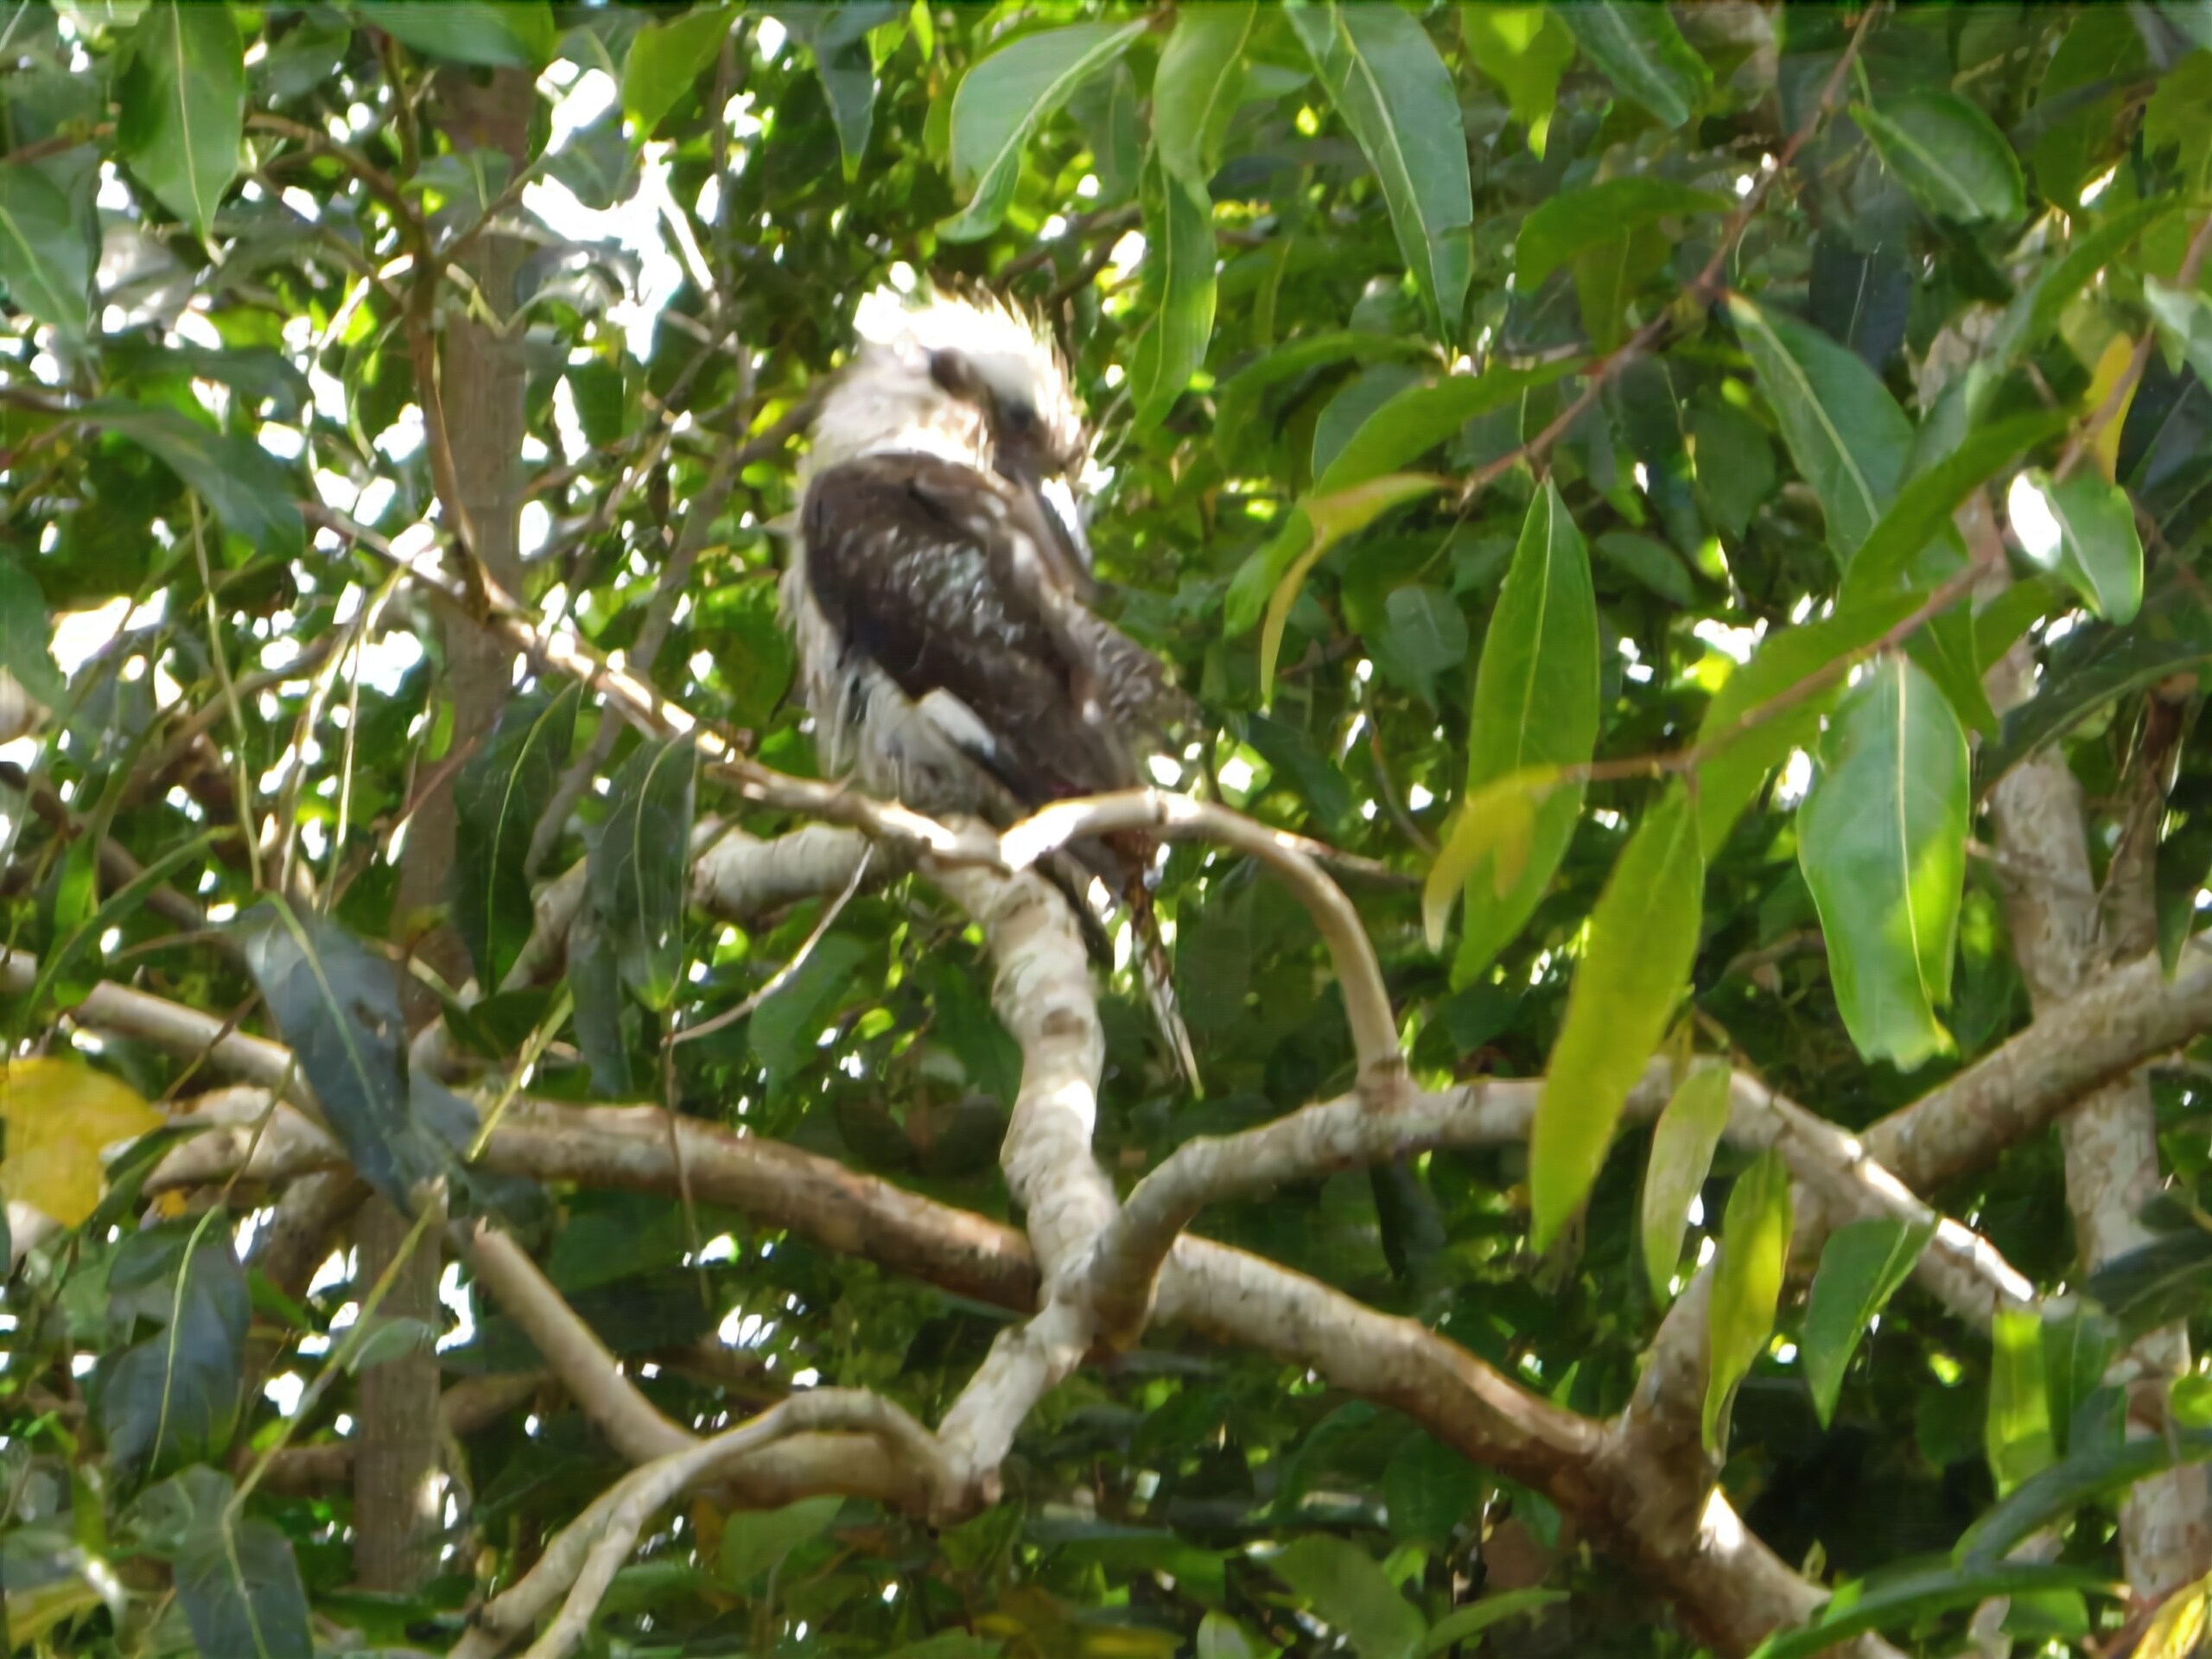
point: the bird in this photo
(940, 590)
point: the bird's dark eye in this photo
(1020, 420)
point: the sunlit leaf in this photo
(1683, 1144)
(1923, 506)
(1903, 1597)
(1746, 1282)
(1317, 524)
(1525, 49)
(1384, 76)
(1862, 1264)
(2178, 1627)
(1493, 829)
(1416, 419)
(1535, 705)
(2084, 532)
(1642, 934)
(2018, 1430)
(1642, 54)
(1881, 841)
(183, 100)
(664, 59)
(59, 1116)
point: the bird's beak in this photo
(783, 526)
(1060, 505)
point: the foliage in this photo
(1535, 435)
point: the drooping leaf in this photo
(1948, 154)
(235, 1573)
(1466, 1622)
(337, 1007)
(837, 36)
(1525, 49)
(1384, 76)
(2178, 1627)
(1004, 98)
(1566, 225)
(1862, 1264)
(636, 878)
(507, 34)
(1881, 842)
(1197, 88)
(46, 264)
(2017, 1433)
(59, 1116)
(1683, 1144)
(24, 633)
(1644, 55)
(1349, 1593)
(2110, 664)
(1535, 705)
(240, 479)
(2082, 532)
(1746, 1282)
(499, 797)
(1845, 432)
(1317, 524)
(604, 1013)
(183, 99)
(1642, 937)
(2156, 1282)
(664, 59)
(2083, 1474)
(1425, 637)
(2184, 317)
(173, 1397)
(1178, 294)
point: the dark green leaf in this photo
(1902, 1599)
(245, 486)
(1862, 1264)
(636, 881)
(1178, 294)
(1199, 84)
(173, 1398)
(1923, 506)
(1567, 225)
(1653, 564)
(1642, 54)
(507, 34)
(183, 100)
(1947, 154)
(755, 1540)
(499, 797)
(788, 1025)
(236, 1577)
(24, 632)
(837, 36)
(1427, 637)
(2110, 664)
(1418, 418)
(1341, 1583)
(46, 264)
(2084, 532)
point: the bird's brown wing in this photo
(924, 566)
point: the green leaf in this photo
(1385, 78)
(1199, 84)
(1243, 429)
(2084, 532)
(1862, 1264)
(1746, 1281)
(837, 36)
(1923, 508)
(1348, 1592)
(1178, 294)
(785, 1028)
(2110, 664)
(1881, 841)
(1644, 55)
(1947, 154)
(1642, 937)
(1536, 704)
(755, 1540)
(183, 100)
(1564, 225)
(1492, 833)
(173, 1398)
(636, 878)
(1525, 49)
(1845, 432)
(1683, 1144)
(2019, 1429)
(1004, 98)
(236, 1577)
(2156, 1283)
(2086, 1473)
(1416, 419)
(2183, 318)
(1464, 1623)
(1653, 564)
(1319, 523)
(499, 797)
(1222, 1637)
(2100, 53)
(604, 1015)
(1735, 464)
(664, 60)
(240, 479)
(2077, 1347)
(46, 263)
(24, 632)
(1902, 1599)
(1426, 637)
(487, 33)
(337, 1007)
(1296, 761)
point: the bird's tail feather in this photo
(1123, 868)
(1158, 976)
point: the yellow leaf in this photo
(1330, 518)
(2178, 1625)
(2119, 351)
(60, 1115)
(1497, 820)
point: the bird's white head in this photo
(967, 377)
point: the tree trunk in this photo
(398, 1500)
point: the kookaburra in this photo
(940, 585)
